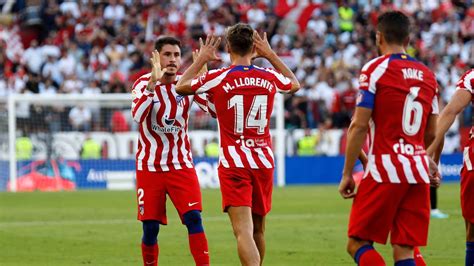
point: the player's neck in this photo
(394, 49)
(167, 79)
(241, 60)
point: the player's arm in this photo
(143, 98)
(356, 136)
(458, 102)
(207, 52)
(363, 159)
(263, 49)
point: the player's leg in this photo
(151, 199)
(262, 188)
(371, 219)
(410, 227)
(467, 206)
(469, 243)
(236, 189)
(242, 225)
(363, 252)
(183, 189)
(419, 260)
(259, 234)
(150, 248)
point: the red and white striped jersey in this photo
(466, 82)
(402, 94)
(163, 117)
(243, 98)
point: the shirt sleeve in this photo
(142, 100)
(369, 75)
(465, 82)
(205, 103)
(208, 80)
(282, 83)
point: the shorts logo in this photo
(142, 209)
(190, 204)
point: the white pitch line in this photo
(130, 221)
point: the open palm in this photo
(156, 71)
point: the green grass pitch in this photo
(307, 226)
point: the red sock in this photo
(150, 255)
(419, 261)
(371, 258)
(199, 248)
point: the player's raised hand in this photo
(347, 187)
(156, 71)
(204, 67)
(435, 176)
(209, 49)
(262, 46)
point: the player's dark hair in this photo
(240, 38)
(395, 27)
(162, 41)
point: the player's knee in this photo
(150, 232)
(354, 244)
(469, 232)
(193, 222)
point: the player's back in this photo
(404, 92)
(244, 103)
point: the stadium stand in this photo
(89, 47)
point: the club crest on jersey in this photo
(179, 100)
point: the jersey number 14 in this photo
(259, 107)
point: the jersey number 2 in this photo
(412, 113)
(259, 104)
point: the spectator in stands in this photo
(80, 118)
(307, 144)
(212, 148)
(91, 149)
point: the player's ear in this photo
(406, 42)
(378, 37)
(227, 47)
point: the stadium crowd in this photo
(90, 47)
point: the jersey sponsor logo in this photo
(190, 204)
(167, 128)
(363, 80)
(142, 209)
(251, 143)
(406, 148)
(169, 122)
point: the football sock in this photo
(368, 256)
(407, 262)
(150, 247)
(418, 257)
(150, 254)
(150, 232)
(469, 253)
(197, 237)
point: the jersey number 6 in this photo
(412, 113)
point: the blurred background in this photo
(91, 48)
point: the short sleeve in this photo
(465, 82)
(282, 83)
(208, 80)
